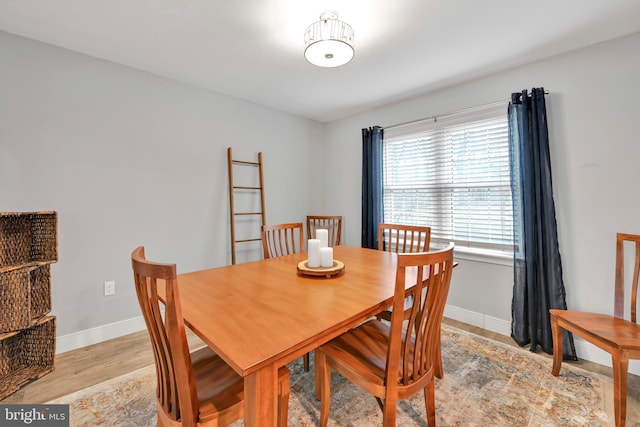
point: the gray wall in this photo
(127, 158)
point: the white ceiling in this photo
(252, 49)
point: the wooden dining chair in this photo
(282, 239)
(394, 361)
(331, 223)
(614, 334)
(401, 238)
(193, 389)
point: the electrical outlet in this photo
(109, 288)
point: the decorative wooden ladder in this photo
(234, 189)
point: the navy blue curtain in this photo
(538, 284)
(371, 185)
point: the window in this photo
(453, 175)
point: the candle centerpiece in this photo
(323, 235)
(326, 257)
(320, 260)
(313, 249)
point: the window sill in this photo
(485, 256)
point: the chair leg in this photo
(430, 403)
(305, 359)
(389, 412)
(323, 379)
(620, 363)
(556, 334)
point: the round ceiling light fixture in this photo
(329, 42)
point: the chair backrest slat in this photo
(619, 298)
(634, 288)
(332, 223)
(403, 238)
(282, 239)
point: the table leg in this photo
(260, 397)
(317, 373)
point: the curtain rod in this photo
(450, 113)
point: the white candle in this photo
(323, 235)
(326, 257)
(313, 249)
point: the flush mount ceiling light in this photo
(328, 42)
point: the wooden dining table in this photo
(261, 315)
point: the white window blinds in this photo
(452, 174)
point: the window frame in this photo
(477, 251)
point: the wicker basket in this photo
(28, 244)
(27, 355)
(25, 295)
(28, 238)
(40, 278)
(15, 297)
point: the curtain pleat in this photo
(372, 196)
(538, 284)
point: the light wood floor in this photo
(93, 364)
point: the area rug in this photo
(486, 383)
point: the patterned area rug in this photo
(485, 384)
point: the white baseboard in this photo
(98, 334)
(493, 324)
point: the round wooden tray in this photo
(336, 269)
